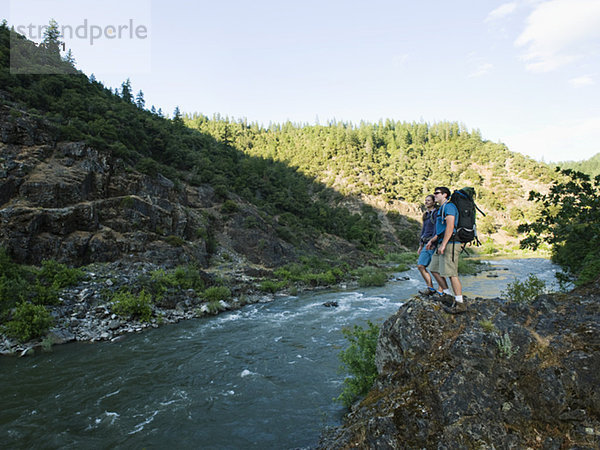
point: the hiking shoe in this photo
(456, 308)
(427, 292)
(445, 299)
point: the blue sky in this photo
(525, 72)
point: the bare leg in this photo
(425, 275)
(456, 285)
(441, 281)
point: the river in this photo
(263, 377)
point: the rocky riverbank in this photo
(503, 375)
(85, 311)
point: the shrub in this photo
(214, 307)
(371, 276)
(59, 275)
(45, 295)
(272, 286)
(525, 291)
(359, 361)
(217, 293)
(505, 347)
(229, 206)
(175, 241)
(488, 247)
(29, 321)
(128, 305)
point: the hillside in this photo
(393, 165)
(590, 166)
(70, 142)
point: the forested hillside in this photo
(357, 182)
(390, 163)
(590, 166)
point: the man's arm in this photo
(447, 234)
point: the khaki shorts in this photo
(443, 264)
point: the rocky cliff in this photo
(503, 375)
(76, 204)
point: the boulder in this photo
(503, 375)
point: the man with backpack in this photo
(444, 262)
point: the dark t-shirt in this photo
(428, 229)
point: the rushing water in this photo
(261, 377)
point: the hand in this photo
(441, 249)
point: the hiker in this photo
(427, 232)
(444, 262)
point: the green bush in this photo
(45, 295)
(359, 361)
(182, 277)
(217, 293)
(214, 307)
(590, 269)
(312, 271)
(371, 276)
(525, 291)
(29, 321)
(59, 275)
(272, 286)
(175, 241)
(229, 207)
(128, 305)
(488, 247)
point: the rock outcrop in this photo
(503, 375)
(75, 204)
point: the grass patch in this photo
(467, 266)
(406, 258)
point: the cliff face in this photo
(500, 376)
(75, 204)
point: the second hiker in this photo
(427, 232)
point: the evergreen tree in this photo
(51, 38)
(177, 116)
(153, 110)
(92, 78)
(139, 100)
(126, 91)
(69, 58)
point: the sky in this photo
(525, 73)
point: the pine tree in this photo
(92, 78)
(139, 100)
(126, 91)
(51, 38)
(177, 116)
(69, 58)
(153, 110)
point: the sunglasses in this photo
(437, 192)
